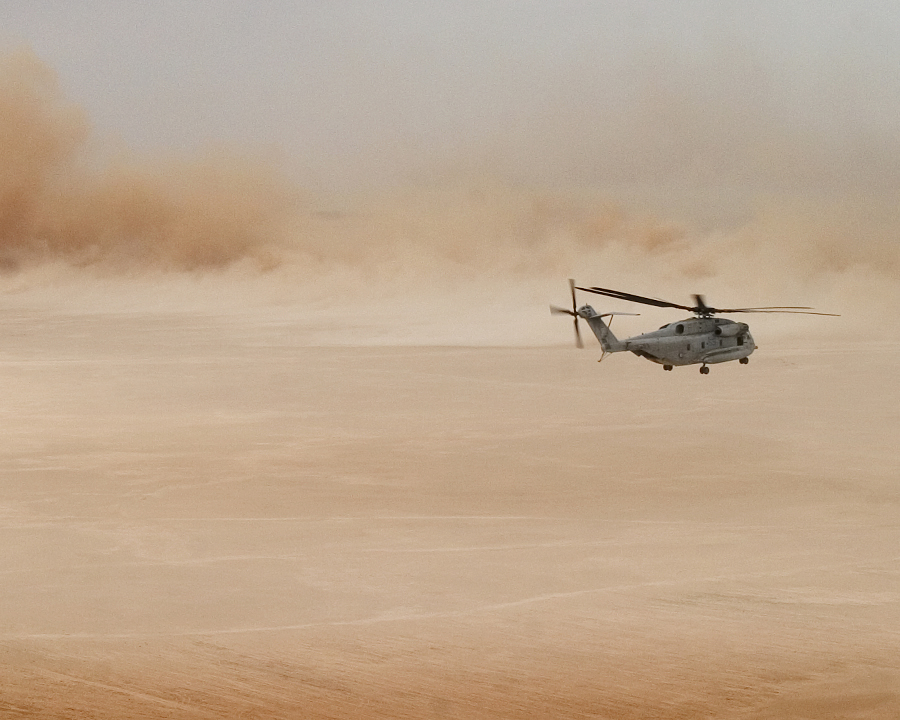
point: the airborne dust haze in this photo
(290, 432)
(672, 192)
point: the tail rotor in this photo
(573, 312)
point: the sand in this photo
(204, 516)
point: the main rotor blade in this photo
(619, 295)
(785, 311)
(578, 343)
(766, 307)
(702, 308)
(572, 290)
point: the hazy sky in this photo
(355, 93)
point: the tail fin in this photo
(609, 342)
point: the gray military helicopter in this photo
(701, 340)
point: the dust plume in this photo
(469, 236)
(59, 202)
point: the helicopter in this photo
(700, 340)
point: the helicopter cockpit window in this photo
(679, 329)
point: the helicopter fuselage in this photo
(694, 340)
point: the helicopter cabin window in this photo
(740, 340)
(679, 329)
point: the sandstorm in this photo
(270, 453)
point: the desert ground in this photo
(207, 516)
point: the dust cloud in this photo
(69, 200)
(132, 213)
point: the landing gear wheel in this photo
(667, 367)
(704, 370)
(744, 361)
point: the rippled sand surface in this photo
(204, 517)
